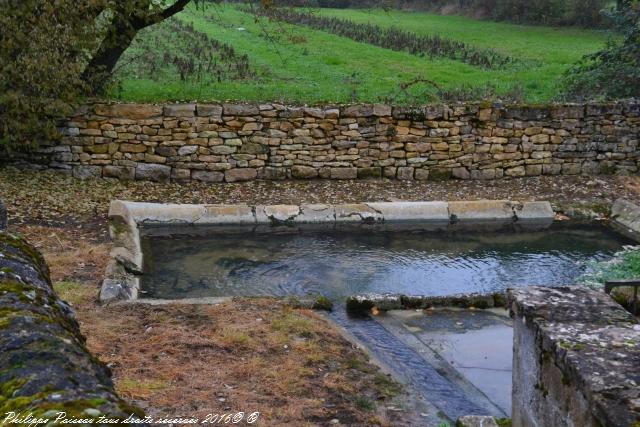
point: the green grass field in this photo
(296, 64)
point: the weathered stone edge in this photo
(360, 304)
(45, 367)
(626, 214)
(483, 210)
(126, 264)
(591, 339)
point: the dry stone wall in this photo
(241, 142)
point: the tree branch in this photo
(176, 7)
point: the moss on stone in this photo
(323, 303)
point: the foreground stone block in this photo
(413, 211)
(535, 210)
(576, 358)
(45, 366)
(208, 110)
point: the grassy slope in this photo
(318, 67)
(553, 49)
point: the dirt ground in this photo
(249, 354)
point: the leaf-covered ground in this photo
(51, 198)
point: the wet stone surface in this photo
(474, 348)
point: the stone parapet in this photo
(576, 358)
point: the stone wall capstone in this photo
(240, 142)
(576, 354)
(45, 367)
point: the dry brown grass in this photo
(245, 355)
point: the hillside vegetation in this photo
(222, 53)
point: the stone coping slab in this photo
(363, 303)
(626, 215)
(127, 219)
(585, 350)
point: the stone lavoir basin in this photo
(426, 248)
(454, 362)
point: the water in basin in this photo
(341, 262)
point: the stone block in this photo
(533, 170)
(405, 173)
(132, 148)
(461, 173)
(207, 176)
(179, 110)
(571, 168)
(152, 172)
(123, 173)
(481, 210)
(240, 174)
(209, 110)
(251, 148)
(516, 171)
(180, 175)
(303, 172)
(627, 214)
(344, 173)
(358, 111)
(272, 173)
(166, 151)
(240, 110)
(551, 169)
(422, 174)
(439, 174)
(535, 211)
(369, 172)
(574, 346)
(222, 149)
(87, 172)
(412, 211)
(187, 150)
(128, 111)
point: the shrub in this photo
(613, 72)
